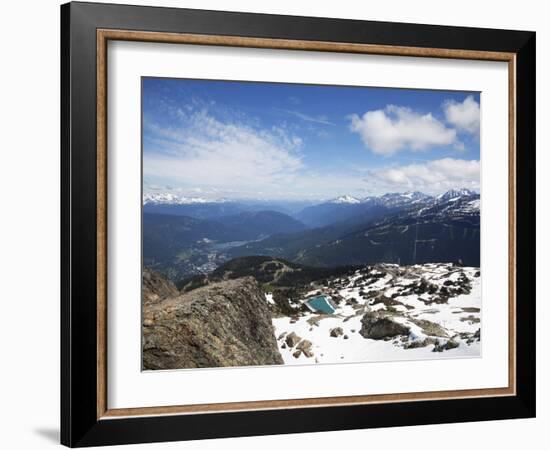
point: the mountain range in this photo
(182, 239)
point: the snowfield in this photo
(388, 312)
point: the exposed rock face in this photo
(378, 326)
(155, 287)
(219, 325)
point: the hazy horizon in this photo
(290, 200)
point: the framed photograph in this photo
(276, 224)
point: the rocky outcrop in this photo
(219, 325)
(155, 287)
(378, 326)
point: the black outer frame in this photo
(79, 424)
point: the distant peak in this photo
(456, 193)
(167, 198)
(345, 199)
(414, 194)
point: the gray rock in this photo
(377, 326)
(450, 344)
(155, 287)
(292, 339)
(336, 332)
(420, 343)
(220, 325)
(477, 334)
(306, 347)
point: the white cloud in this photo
(464, 116)
(214, 154)
(432, 177)
(394, 128)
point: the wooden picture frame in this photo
(86, 418)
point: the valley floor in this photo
(386, 313)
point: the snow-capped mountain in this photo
(345, 199)
(389, 200)
(463, 206)
(398, 200)
(454, 194)
(167, 198)
(348, 207)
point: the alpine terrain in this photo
(349, 279)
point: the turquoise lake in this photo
(321, 303)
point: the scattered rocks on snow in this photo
(420, 343)
(449, 345)
(397, 309)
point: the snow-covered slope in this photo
(388, 312)
(455, 193)
(399, 200)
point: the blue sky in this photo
(246, 140)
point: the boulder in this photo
(376, 325)
(292, 339)
(336, 332)
(306, 347)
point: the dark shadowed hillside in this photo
(179, 245)
(446, 230)
(266, 270)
